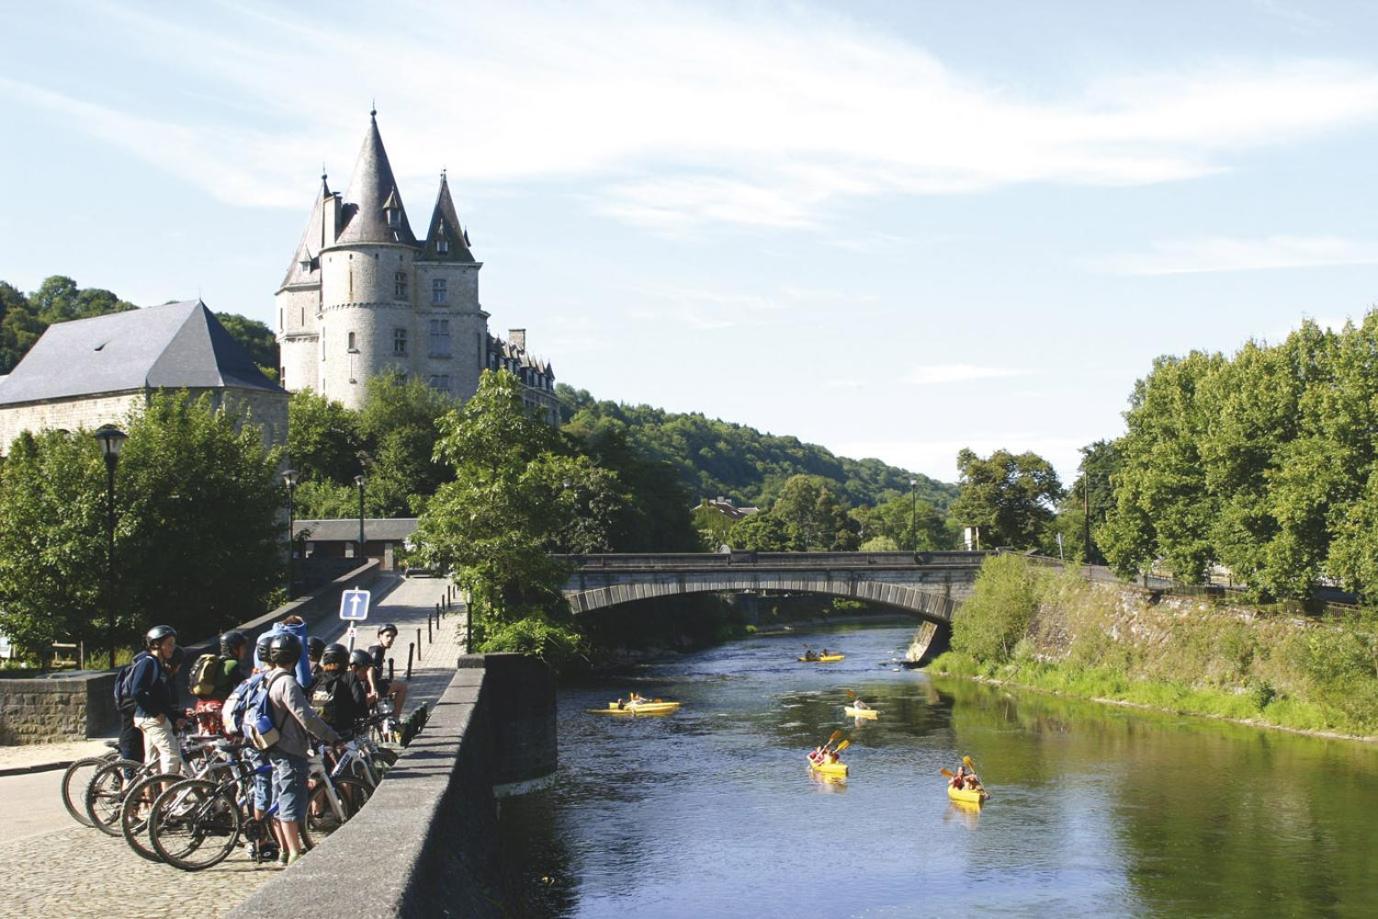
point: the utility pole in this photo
(913, 514)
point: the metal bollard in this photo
(429, 639)
(418, 646)
(410, 649)
(390, 670)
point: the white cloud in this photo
(957, 373)
(1217, 253)
(671, 115)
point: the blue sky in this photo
(892, 229)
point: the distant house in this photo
(726, 508)
(89, 372)
(384, 538)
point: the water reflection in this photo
(1096, 810)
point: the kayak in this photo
(825, 659)
(853, 712)
(838, 769)
(966, 795)
(637, 708)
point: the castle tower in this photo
(364, 296)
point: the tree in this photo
(760, 533)
(201, 529)
(53, 541)
(903, 522)
(1095, 474)
(323, 439)
(399, 422)
(256, 338)
(1009, 496)
(813, 518)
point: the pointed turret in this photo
(374, 212)
(305, 267)
(446, 240)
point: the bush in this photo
(556, 645)
(998, 613)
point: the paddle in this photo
(948, 772)
(971, 768)
(842, 746)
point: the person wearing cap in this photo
(155, 713)
(378, 686)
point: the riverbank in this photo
(1053, 632)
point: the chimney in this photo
(517, 338)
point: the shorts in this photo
(289, 785)
(263, 784)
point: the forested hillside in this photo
(721, 458)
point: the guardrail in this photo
(719, 560)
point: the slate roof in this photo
(173, 346)
(445, 225)
(346, 529)
(371, 189)
(306, 262)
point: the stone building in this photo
(364, 295)
(89, 372)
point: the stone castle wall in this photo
(80, 414)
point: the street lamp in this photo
(359, 481)
(913, 514)
(289, 478)
(111, 440)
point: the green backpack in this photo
(205, 676)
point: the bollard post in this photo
(418, 646)
(429, 639)
(390, 670)
(410, 649)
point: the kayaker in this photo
(860, 705)
(811, 655)
(959, 779)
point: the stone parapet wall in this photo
(85, 413)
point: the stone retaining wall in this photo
(73, 706)
(424, 844)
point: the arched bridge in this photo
(928, 584)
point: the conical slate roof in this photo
(173, 346)
(305, 267)
(445, 225)
(371, 189)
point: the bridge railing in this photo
(719, 560)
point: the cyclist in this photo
(315, 647)
(295, 720)
(338, 696)
(229, 673)
(378, 686)
(155, 713)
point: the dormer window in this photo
(394, 217)
(442, 244)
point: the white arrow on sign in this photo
(354, 605)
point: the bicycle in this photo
(76, 777)
(107, 789)
(138, 800)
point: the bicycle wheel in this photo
(138, 804)
(321, 819)
(195, 824)
(75, 780)
(106, 791)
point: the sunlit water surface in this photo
(1096, 810)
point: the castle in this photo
(364, 296)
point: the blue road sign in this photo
(354, 605)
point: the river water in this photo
(1096, 810)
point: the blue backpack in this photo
(258, 725)
(124, 691)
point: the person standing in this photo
(154, 712)
(295, 720)
(378, 685)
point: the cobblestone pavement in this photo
(75, 872)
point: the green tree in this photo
(256, 338)
(200, 537)
(52, 541)
(58, 299)
(1094, 488)
(905, 522)
(19, 329)
(399, 422)
(1009, 496)
(323, 439)
(760, 532)
(813, 518)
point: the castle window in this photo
(440, 338)
(441, 382)
(394, 217)
(439, 295)
(399, 341)
(353, 348)
(442, 244)
(399, 285)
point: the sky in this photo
(893, 229)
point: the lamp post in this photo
(111, 440)
(359, 481)
(289, 478)
(913, 514)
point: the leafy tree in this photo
(200, 542)
(323, 439)
(58, 299)
(904, 522)
(53, 540)
(1094, 488)
(813, 518)
(1009, 496)
(761, 532)
(399, 423)
(18, 327)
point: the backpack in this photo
(204, 673)
(237, 702)
(258, 723)
(124, 688)
(325, 697)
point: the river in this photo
(1096, 810)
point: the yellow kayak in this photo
(854, 712)
(824, 659)
(637, 708)
(966, 795)
(837, 769)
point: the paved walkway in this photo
(55, 867)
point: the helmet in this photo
(158, 633)
(231, 642)
(335, 654)
(387, 627)
(285, 648)
(261, 646)
(360, 658)
(315, 647)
